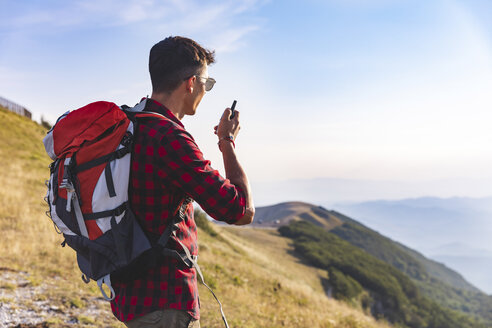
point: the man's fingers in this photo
(228, 126)
(227, 114)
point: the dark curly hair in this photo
(174, 59)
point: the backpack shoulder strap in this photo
(137, 111)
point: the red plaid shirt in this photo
(167, 166)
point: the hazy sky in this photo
(343, 89)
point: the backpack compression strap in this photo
(194, 263)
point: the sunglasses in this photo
(209, 82)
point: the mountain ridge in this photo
(283, 213)
(437, 281)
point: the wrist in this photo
(226, 142)
(225, 135)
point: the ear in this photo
(189, 84)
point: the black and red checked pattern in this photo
(167, 166)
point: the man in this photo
(168, 169)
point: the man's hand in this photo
(228, 127)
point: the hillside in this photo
(356, 276)
(281, 214)
(434, 280)
(253, 271)
(457, 230)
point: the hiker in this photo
(168, 170)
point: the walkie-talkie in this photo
(232, 109)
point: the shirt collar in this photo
(157, 107)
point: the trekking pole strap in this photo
(197, 268)
(107, 281)
(194, 264)
(186, 258)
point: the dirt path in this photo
(24, 304)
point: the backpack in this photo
(88, 196)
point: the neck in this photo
(172, 102)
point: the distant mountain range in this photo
(455, 231)
(330, 191)
(436, 281)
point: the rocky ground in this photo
(24, 303)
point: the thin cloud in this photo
(112, 12)
(474, 41)
(217, 22)
(247, 5)
(232, 39)
(363, 3)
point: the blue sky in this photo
(390, 91)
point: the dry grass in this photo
(257, 279)
(22, 176)
(29, 242)
(29, 235)
(276, 290)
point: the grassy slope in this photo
(255, 277)
(434, 279)
(433, 268)
(434, 284)
(29, 242)
(262, 285)
(392, 293)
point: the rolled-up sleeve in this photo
(181, 163)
